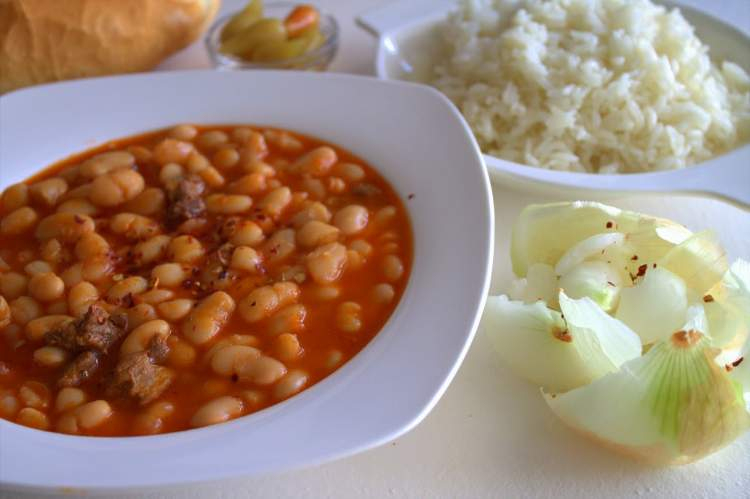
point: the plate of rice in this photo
(609, 95)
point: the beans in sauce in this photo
(189, 276)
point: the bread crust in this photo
(49, 40)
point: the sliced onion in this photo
(740, 373)
(736, 290)
(598, 332)
(540, 283)
(740, 366)
(595, 279)
(727, 307)
(543, 233)
(672, 406)
(585, 249)
(696, 320)
(537, 344)
(656, 306)
(699, 260)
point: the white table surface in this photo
(492, 435)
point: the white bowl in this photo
(410, 134)
(408, 46)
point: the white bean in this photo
(170, 275)
(217, 411)
(206, 320)
(50, 356)
(175, 310)
(327, 262)
(265, 300)
(69, 398)
(93, 414)
(293, 382)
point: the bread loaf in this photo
(49, 40)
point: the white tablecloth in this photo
(492, 435)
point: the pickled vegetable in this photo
(246, 18)
(263, 31)
(254, 38)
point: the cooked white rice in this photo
(590, 85)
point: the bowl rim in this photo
(321, 55)
(393, 421)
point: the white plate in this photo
(387, 388)
(407, 46)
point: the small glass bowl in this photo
(315, 60)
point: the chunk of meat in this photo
(80, 370)
(158, 349)
(135, 376)
(93, 335)
(186, 201)
(63, 337)
(98, 331)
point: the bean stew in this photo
(189, 276)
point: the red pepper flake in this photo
(610, 224)
(653, 265)
(410, 196)
(730, 367)
(642, 270)
(708, 299)
(635, 258)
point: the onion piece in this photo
(727, 306)
(595, 279)
(543, 233)
(671, 406)
(740, 373)
(540, 283)
(537, 344)
(656, 306)
(699, 260)
(585, 249)
(596, 331)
